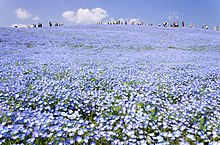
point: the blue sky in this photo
(200, 12)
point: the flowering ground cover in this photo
(115, 85)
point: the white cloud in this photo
(86, 16)
(22, 13)
(133, 21)
(121, 20)
(173, 16)
(36, 18)
(69, 15)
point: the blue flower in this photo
(35, 134)
(93, 143)
(31, 140)
(59, 134)
(80, 132)
(78, 139)
(72, 141)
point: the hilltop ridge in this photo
(113, 36)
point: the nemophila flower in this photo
(93, 143)
(159, 139)
(80, 132)
(31, 140)
(71, 141)
(59, 134)
(130, 132)
(78, 139)
(14, 137)
(70, 111)
(60, 143)
(190, 136)
(50, 135)
(182, 128)
(86, 139)
(177, 133)
(214, 143)
(71, 134)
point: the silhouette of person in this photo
(183, 23)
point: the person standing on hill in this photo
(50, 24)
(183, 23)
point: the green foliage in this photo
(33, 106)
(117, 97)
(140, 105)
(172, 47)
(29, 71)
(116, 109)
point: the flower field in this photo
(118, 85)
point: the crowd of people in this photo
(119, 22)
(165, 24)
(40, 25)
(55, 24)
